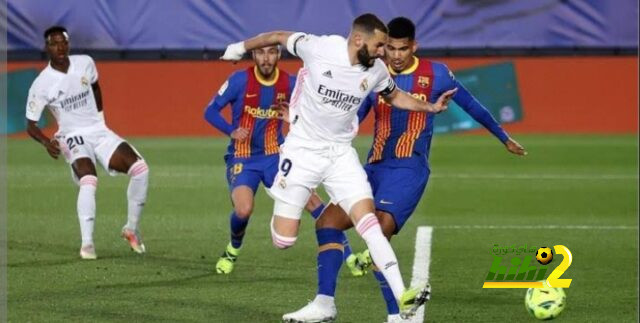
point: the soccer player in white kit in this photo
(337, 75)
(69, 88)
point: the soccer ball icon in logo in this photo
(544, 255)
(545, 303)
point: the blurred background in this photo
(560, 66)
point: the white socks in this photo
(87, 207)
(137, 192)
(381, 252)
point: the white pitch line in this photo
(536, 227)
(421, 263)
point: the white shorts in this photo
(302, 169)
(97, 145)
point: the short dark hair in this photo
(369, 23)
(53, 30)
(401, 27)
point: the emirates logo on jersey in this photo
(364, 85)
(75, 102)
(337, 98)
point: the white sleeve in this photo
(36, 102)
(385, 84)
(92, 70)
(301, 44)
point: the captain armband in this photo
(391, 86)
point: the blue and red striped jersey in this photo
(403, 135)
(251, 98)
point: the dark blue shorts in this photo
(250, 171)
(397, 190)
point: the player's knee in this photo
(279, 239)
(139, 169)
(243, 211)
(88, 180)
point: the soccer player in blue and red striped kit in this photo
(398, 162)
(256, 134)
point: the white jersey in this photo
(329, 90)
(68, 96)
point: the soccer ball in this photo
(545, 303)
(544, 255)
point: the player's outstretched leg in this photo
(383, 256)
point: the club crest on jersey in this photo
(84, 81)
(364, 85)
(423, 81)
(281, 97)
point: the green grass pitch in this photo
(478, 196)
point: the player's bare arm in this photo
(97, 93)
(52, 146)
(402, 100)
(235, 51)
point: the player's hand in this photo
(515, 148)
(240, 134)
(234, 52)
(53, 148)
(282, 108)
(443, 101)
